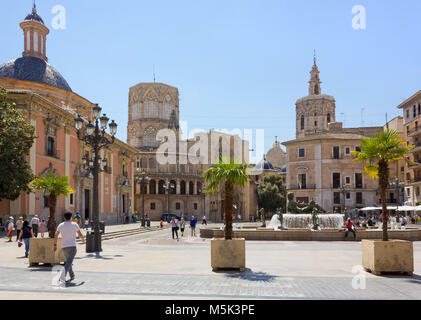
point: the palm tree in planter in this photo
(227, 175)
(52, 186)
(376, 153)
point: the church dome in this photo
(33, 69)
(263, 165)
(34, 16)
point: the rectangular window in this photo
(152, 205)
(407, 114)
(347, 151)
(71, 199)
(336, 153)
(359, 197)
(168, 109)
(301, 153)
(50, 147)
(347, 180)
(177, 206)
(358, 181)
(348, 196)
(417, 191)
(151, 110)
(358, 149)
(336, 180)
(45, 202)
(337, 198)
(302, 181)
(195, 206)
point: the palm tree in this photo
(53, 186)
(229, 174)
(377, 152)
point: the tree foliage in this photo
(229, 174)
(377, 152)
(52, 185)
(16, 140)
(271, 193)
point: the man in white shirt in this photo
(34, 224)
(68, 230)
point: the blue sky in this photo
(237, 64)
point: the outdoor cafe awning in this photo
(401, 208)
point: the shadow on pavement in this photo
(249, 275)
(99, 256)
(73, 285)
(415, 278)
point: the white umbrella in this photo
(418, 208)
(406, 208)
(370, 209)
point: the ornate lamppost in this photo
(96, 139)
(168, 187)
(395, 183)
(143, 178)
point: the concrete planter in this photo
(395, 256)
(228, 254)
(41, 251)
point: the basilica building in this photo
(320, 165)
(51, 106)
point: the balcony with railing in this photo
(303, 187)
(53, 153)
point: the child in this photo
(42, 228)
(161, 224)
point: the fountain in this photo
(306, 221)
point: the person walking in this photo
(35, 225)
(78, 219)
(161, 224)
(68, 230)
(10, 225)
(19, 225)
(26, 234)
(350, 226)
(86, 226)
(204, 221)
(174, 227)
(182, 226)
(42, 228)
(193, 222)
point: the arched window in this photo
(151, 110)
(152, 187)
(191, 188)
(199, 188)
(173, 190)
(149, 138)
(302, 122)
(316, 89)
(161, 189)
(183, 187)
(328, 118)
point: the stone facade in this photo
(320, 165)
(154, 107)
(412, 136)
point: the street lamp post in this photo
(96, 139)
(168, 186)
(394, 182)
(143, 178)
(343, 191)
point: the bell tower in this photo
(315, 111)
(314, 87)
(35, 35)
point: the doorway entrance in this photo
(87, 204)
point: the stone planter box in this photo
(393, 256)
(228, 254)
(41, 251)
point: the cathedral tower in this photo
(315, 111)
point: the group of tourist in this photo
(181, 225)
(38, 226)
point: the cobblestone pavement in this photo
(154, 266)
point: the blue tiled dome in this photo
(33, 69)
(264, 165)
(34, 16)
